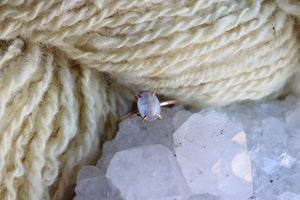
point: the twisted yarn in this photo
(68, 70)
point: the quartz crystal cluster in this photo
(245, 151)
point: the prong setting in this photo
(144, 119)
(149, 107)
(159, 116)
(154, 92)
(138, 95)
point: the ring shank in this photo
(129, 115)
(165, 103)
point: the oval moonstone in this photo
(148, 105)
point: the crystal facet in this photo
(149, 106)
(212, 154)
(147, 173)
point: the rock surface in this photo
(213, 156)
(147, 172)
(249, 150)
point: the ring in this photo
(149, 107)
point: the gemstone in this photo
(148, 105)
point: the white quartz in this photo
(213, 156)
(92, 184)
(249, 150)
(147, 172)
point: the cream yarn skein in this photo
(53, 114)
(68, 70)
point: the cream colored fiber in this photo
(69, 70)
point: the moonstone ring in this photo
(148, 106)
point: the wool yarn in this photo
(69, 69)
